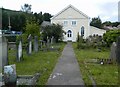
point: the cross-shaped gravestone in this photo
(36, 44)
(113, 51)
(19, 51)
(29, 47)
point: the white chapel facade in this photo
(74, 22)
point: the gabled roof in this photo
(70, 6)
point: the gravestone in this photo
(41, 44)
(36, 44)
(10, 76)
(113, 51)
(19, 51)
(118, 50)
(0, 54)
(29, 47)
(48, 42)
(44, 43)
(52, 40)
(3, 51)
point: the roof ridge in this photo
(67, 8)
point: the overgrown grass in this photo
(102, 74)
(42, 62)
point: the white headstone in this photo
(19, 51)
(52, 40)
(10, 76)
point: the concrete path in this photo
(66, 71)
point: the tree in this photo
(38, 17)
(17, 20)
(46, 16)
(107, 23)
(54, 30)
(26, 8)
(32, 28)
(113, 24)
(111, 36)
(96, 22)
(5, 21)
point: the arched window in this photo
(69, 33)
(82, 31)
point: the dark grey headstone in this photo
(118, 57)
(118, 50)
(48, 42)
(36, 44)
(41, 44)
(0, 54)
(10, 76)
(113, 51)
(19, 51)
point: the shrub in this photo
(111, 36)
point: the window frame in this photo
(65, 22)
(73, 22)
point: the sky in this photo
(107, 10)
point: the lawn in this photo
(106, 74)
(42, 62)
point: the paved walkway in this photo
(66, 71)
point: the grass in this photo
(42, 62)
(102, 74)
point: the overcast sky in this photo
(107, 10)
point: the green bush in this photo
(111, 36)
(94, 41)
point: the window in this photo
(69, 33)
(74, 23)
(65, 22)
(82, 31)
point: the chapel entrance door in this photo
(69, 35)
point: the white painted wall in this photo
(94, 30)
(70, 14)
